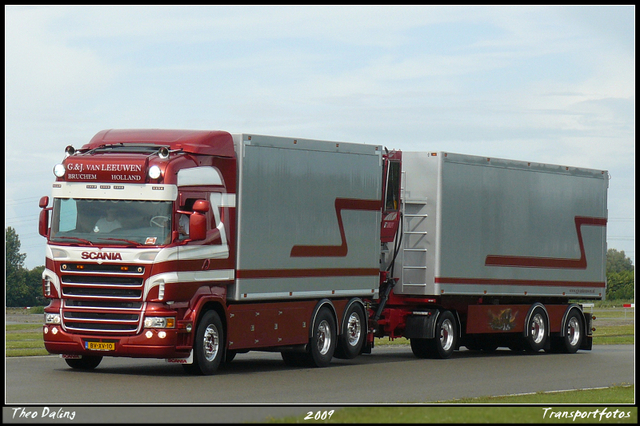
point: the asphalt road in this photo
(258, 385)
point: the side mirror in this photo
(201, 206)
(197, 225)
(43, 222)
(44, 202)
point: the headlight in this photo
(159, 322)
(52, 318)
(59, 170)
(154, 172)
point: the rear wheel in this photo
(323, 342)
(353, 333)
(84, 363)
(444, 343)
(537, 330)
(574, 332)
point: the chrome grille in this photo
(107, 302)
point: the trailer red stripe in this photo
(496, 281)
(307, 273)
(550, 262)
(342, 249)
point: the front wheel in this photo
(208, 347)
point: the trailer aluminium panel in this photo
(309, 215)
(492, 227)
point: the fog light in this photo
(149, 334)
(54, 331)
(46, 330)
(162, 334)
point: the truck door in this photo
(200, 255)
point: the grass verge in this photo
(548, 410)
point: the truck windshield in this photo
(117, 222)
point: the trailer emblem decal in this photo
(505, 320)
(550, 262)
(342, 249)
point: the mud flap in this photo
(587, 342)
(188, 360)
(421, 325)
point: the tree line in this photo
(24, 286)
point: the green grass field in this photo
(494, 414)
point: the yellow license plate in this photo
(100, 346)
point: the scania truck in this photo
(194, 246)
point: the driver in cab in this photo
(109, 222)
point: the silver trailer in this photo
(492, 227)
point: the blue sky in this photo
(550, 84)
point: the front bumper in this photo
(148, 344)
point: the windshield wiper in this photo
(82, 240)
(121, 239)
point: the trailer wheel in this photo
(208, 348)
(323, 342)
(574, 332)
(353, 333)
(445, 342)
(84, 363)
(537, 327)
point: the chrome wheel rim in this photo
(537, 328)
(354, 329)
(573, 331)
(211, 343)
(446, 335)
(324, 337)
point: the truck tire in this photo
(323, 342)
(84, 363)
(208, 346)
(574, 333)
(537, 330)
(445, 342)
(353, 333)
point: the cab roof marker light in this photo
(163, 153)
